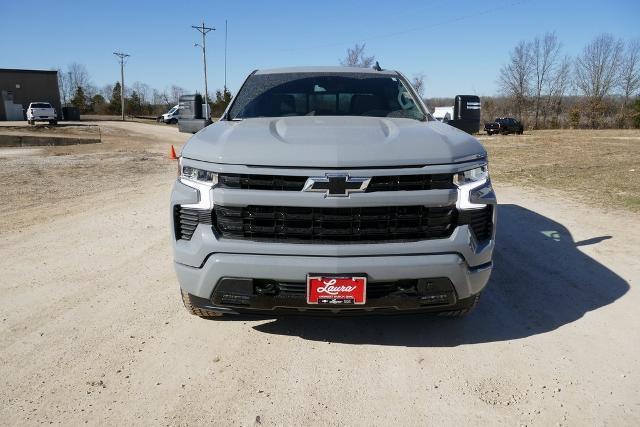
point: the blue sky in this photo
(458, 45)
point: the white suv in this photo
(41, 112)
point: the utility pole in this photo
(225, 57)
(204, 30)
(122, 57)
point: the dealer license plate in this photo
(336, 290)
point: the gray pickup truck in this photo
(331, 190)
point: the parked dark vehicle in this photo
(504, 126)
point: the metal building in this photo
(20, 87)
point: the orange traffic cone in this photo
(172, 153)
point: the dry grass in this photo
(598, 166)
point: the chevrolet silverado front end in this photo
(331, 191)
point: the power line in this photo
(122, 57)
(204, 31)
(402, 32)
(225, 56)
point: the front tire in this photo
(464, 307)
(205, 314)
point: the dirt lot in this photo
(50, 181)
(92, 329)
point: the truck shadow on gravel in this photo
(540, 282)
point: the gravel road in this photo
(92, 328)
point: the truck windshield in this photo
(40, 105)
(324, 94)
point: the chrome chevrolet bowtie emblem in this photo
(336, 185)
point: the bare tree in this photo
(64, 86)
(630, 71)
(78, 76)
(107, 91)
(90, 90)
(144, 92)
(515, 76)
(597, 72)
(544, 54)
(418, 84)
(161, 98)
(356, 57)
(557, 84)
(597, 66)
(175, 92)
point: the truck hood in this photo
(332, 142)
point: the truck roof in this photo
(326, 69)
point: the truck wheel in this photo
(30, 122)
(466, 306)
(205, 314)
(53, 122)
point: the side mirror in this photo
(466, 113)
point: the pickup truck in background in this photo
(504, 126)
(41, 112)
(170, 117)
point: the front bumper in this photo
(201, 281)
(41, 118)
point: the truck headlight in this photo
(474, 188)
(199, 175)
(470, 176)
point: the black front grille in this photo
(305, 224)
(187, 219)
(480, 221)
(410, 182)
(262, 182)
(296, 183)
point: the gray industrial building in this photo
(20, 87)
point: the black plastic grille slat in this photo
(296, 183)
(335, 225)
(480, 221)
(187, 219)
(262, 182)
(410, 182)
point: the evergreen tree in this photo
(98, 104)
(79, 99)
(223, 98)
(134, 103)
(114, 104)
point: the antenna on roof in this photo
(377, 67)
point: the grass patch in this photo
(597, 166)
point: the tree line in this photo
(546, 88)
(77, 90)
